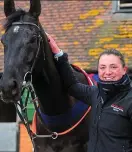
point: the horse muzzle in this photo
(9, 91)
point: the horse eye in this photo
(2, 39)
(33, 39)
(3, 43)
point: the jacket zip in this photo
(98, 119)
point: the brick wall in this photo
(83, 29)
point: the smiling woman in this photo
(111, 66)
(111, 100)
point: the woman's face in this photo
(110, 68)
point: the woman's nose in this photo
(108, 71)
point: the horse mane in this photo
(13, 17)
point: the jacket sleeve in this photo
(130, 112)
(75, 88)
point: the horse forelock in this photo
(13, 17)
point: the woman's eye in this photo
(114, 67)
(102, 68)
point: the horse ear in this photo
(35, 8)
(9, 7)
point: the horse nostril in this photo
(14, 87)
(14, 84)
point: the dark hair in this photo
(113, 52)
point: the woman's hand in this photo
(53, 45)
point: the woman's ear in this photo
(125, 69)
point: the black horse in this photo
(26, 49)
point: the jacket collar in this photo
(109, 89)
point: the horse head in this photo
(21, 42)
(26, 53)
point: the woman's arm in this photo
(75, 88)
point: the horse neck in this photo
(51, 94)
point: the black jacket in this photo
(111, 121)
